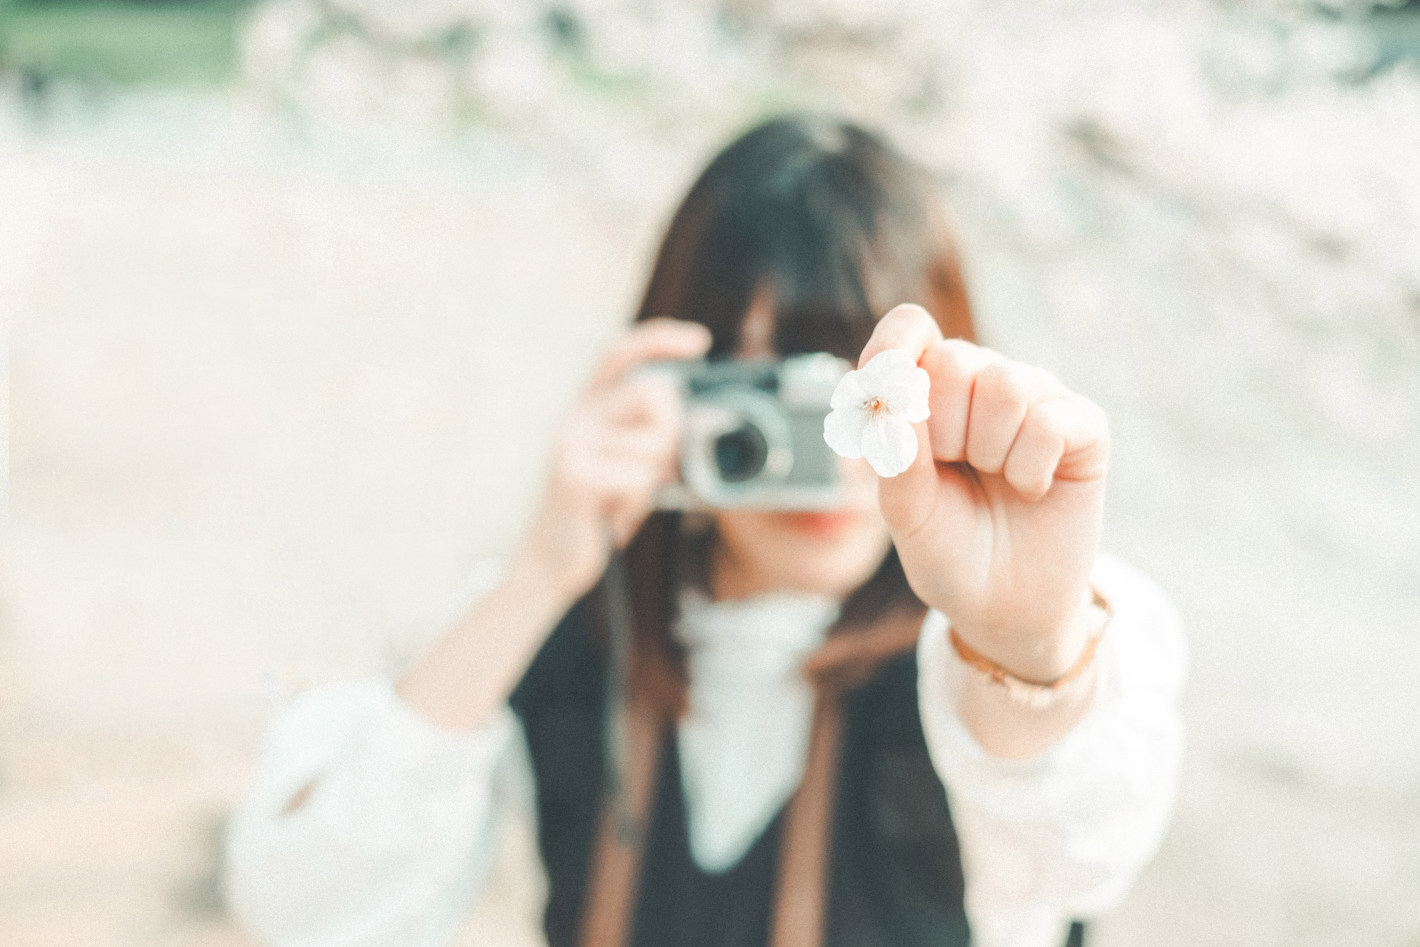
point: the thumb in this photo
(908, 500)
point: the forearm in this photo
(1089, 808)
(466, 676)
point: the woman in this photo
(790, 721)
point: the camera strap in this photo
(842, 664)
(635, 730)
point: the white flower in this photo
(874, 409)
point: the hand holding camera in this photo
(614, 451)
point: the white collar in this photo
(744, 739)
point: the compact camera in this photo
(753, 434)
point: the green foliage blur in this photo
(120, 42)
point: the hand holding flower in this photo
(874, 409)
(997, 516)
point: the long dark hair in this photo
(837, 228)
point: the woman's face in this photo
(828, 552)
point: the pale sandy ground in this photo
(268, 409)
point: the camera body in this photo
(753, 434)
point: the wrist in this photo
(543, 575)
(1039, 654)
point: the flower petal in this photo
(843, 431)
(911, 400)
(889, 444)
(904, 385)
(883, 370)
(849, 394)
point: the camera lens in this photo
(740, 454)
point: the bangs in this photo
(827, 221)
(828, 293)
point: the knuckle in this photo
(1090, 417)
(1005, 383)
(1021, 379)
(952, 359)
(962, 351)
(994, 374)
(1046, 420)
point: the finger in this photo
(1039, 445)
(652, 340)
(1085, 427)
(1056, 429)
(952, 365)
(907, 500)
(617, 479)
(649, 401)
(640, 445)
(1000, 397)
(907, 327)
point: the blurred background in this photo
(293, 290)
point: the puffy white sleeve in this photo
(1062, 835)
(397, 834)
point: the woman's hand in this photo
(997, 521)
(615, 448)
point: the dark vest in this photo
(895, 878)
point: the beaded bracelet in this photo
(1037, 696)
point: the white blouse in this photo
(401, 830)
